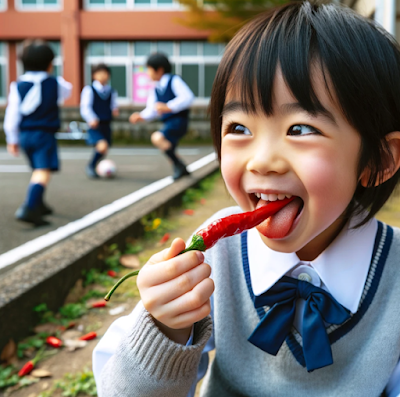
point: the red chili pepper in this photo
(188, 212)
(28, 367)
(165, 238)
(112, 273)
(53, 341)
(221, 228)
(233, 224)
(99, 304)
(89, 336)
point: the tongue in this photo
(279, 225)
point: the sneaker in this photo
(91, 172)
(45, 209)
(179, 171)
(28, 215)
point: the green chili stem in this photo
(119, 282)
(197, 243)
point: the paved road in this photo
(70, 193)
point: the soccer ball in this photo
(106, 168)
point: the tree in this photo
(223, 18)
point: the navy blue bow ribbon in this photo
(275, 326)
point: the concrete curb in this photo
(49, 276)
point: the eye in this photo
(302, 129)
(238, 129)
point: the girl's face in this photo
(313, 157)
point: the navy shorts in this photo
(102, 132)
(41, 149)
(174, 129)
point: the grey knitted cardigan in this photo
(365, 349)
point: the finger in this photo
(187, 319)
(177, 246)
(186, 303)
(182, 284)
(168, 270)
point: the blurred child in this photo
(305, 104)
(98, 107)
(31, 120)
(170, 100)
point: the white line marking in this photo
(14, 168)
(48, 239)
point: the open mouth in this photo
(283, 222)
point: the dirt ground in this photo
(100, 319)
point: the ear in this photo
(393, 140)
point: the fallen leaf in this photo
(47, 328)
(117, 310)
(45, 385)
(73, 344)
(71, 334)
(130, 260)
(188, 212)
(9, 353)
(41, 373)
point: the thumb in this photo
(177, 246)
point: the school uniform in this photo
(97, 103)
(32, 117)
(176, 94)
(31, 121)
(359, 269)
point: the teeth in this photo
(272, 196)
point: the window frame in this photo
(131, 60)
(39, 6)
(6, 77)
(130, 5)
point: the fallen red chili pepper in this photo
(30, 365)
(99, 304)
(188, 212)
(54, 342)
(89, 336)
(112, 273)
(221, 228)
(165, 238)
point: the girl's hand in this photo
(135, 118)
(13, 149)
(176, 290)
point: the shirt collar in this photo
(100, 87)
(343, 266)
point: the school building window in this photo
(195, 61)
(37, 5)
(57, 61)
(3, 5)
(129, 4)
(3, 72)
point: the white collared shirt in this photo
(86, 105)
(183, 99)
(13, 115)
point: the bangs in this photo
(288, 43)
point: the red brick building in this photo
(121, 33)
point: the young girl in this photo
(306, 103)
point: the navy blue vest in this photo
(102, 107)
(46, 116)
(166, 96)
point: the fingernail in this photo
(200, 256)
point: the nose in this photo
(268, 157)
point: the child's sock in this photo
(35, 195)
(95, 159)
(171, 154)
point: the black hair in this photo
(159, 60)
(360, 61)
(36, 56)
(101, 67)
